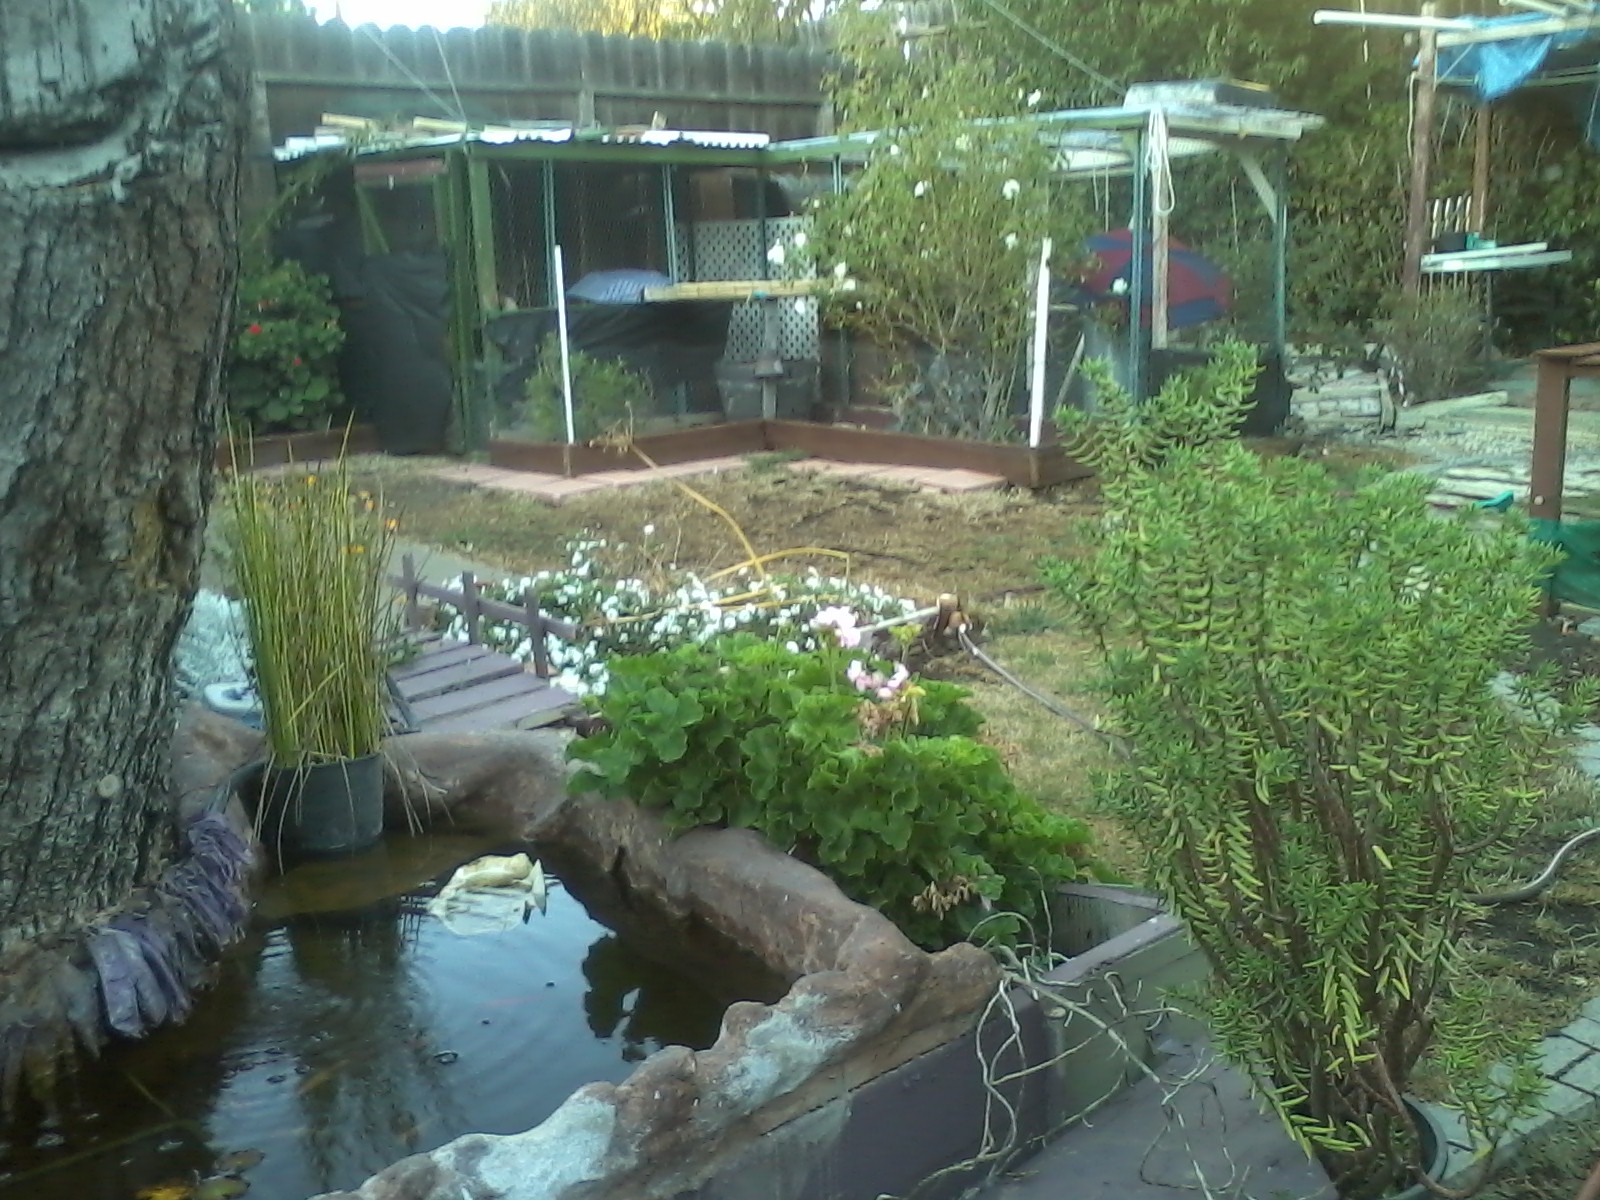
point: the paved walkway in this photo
(554, 489)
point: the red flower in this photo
(297, 361)
(254, 329)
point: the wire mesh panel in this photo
(739, 250)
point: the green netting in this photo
(1577, 579)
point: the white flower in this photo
(776, 254)
(1010, 240)
(1034, 97)
(1119, 287)
(1010, 189)
(840, 270)
(649, 529)
(921, 189)
(792, 647)
(894, 151)
(963, 142)
(849, 285)
(800, 239)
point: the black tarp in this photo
(674, 344)
(395, 367)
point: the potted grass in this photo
(1303, 671)
(309, 554)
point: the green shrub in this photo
(893, 798)
(1436, 340)
(282, 369)
(1303, 675)
(605, 395)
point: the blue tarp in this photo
(1498, 68)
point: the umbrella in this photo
(1197, 291)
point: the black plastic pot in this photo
(325, 810)
(1435, 1152)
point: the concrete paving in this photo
(1197, 1131)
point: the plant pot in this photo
(323, 810)
(1435, 1152)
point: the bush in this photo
(1436, 340)
(282, 369)
(1303, 674)
(605, 395)
(878, 782)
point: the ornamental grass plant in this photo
(309, 555)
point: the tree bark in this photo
(120, 129)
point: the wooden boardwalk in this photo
(467, 687)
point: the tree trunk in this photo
(120, 130)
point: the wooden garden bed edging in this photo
(1019, 465)
(274, 450)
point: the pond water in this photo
(352, 1027)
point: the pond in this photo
(352, 1027)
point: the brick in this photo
(1584, 1075)
(523, 481)
(1558, 1054)
(1585, 1030)
(846, 470)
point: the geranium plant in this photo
(872, 776)
(282, 367)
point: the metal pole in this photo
(1139, 270)
(1280, 256)
(566, 356)
(1421, 156)
(1041, 328)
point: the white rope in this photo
(1158, 163)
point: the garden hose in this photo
(1546, 878)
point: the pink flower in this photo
(253, 329)
(843, 623)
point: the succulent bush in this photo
(1302, 672)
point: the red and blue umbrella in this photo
(1197, 290)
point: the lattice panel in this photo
(735, 250)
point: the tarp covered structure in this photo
(1502, 55)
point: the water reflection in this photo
(350, 1028)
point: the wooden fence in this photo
(491, 74)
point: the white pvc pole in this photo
(1388, 20)
(566, 357)
(1041, 327)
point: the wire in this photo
(1055, 47)
(1542, 882)
(417, 80)
(1049, 702)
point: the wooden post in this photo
(410, 589)
(471, 608)
(1421, 156)
(1548, 475)
(1482, 127)
(1160, 239)
(536, 634)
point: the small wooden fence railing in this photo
(470, 687)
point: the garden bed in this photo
(276, 449)
(1020, 465)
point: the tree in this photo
(749, 21)
(120, 135)
(626, 18)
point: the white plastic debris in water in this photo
(490, 894)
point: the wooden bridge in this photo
(448, 686)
